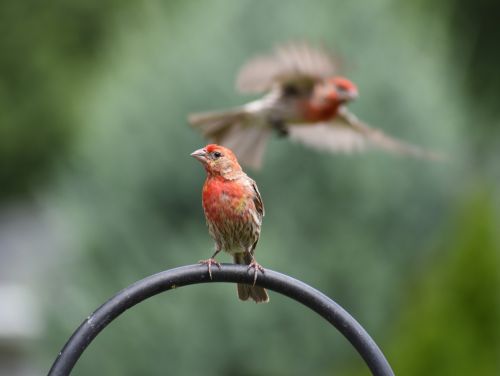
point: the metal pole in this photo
(194, 274)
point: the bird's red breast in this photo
(316, 111)
(323, 103)
(225, 200)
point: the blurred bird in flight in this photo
(305, 100)
(233, 210)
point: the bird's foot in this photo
(282, 132)
(209, 262)
(279, 126)
(257, 267)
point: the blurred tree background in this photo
(94, 148)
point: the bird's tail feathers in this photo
(237, 130)
(256, 293)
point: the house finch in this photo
(233, 210)
(305, 100)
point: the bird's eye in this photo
(217, 154)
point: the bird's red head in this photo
(342, 90)
(218, 160)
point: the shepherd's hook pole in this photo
(194, 274)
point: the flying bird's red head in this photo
(342, 90)
(217, 160)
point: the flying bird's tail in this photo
(245, 292)
(237, 130)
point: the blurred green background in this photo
(97, 189)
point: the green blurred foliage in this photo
(475, 25)
(47, 50)
(450, 325)
(363, 229)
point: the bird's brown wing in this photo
(346, 133)
(259, 204)
(296, 62)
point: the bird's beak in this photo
(352, 95)
(200, 155)
(348, 96)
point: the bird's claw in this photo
(257, 267)
(209, 262)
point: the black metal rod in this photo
(193, 274)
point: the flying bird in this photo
(234, 210)
(305, 100)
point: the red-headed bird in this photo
(305, 100)
(233, 210)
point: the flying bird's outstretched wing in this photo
(346, 134)
(296, 62)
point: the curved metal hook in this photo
(193, 274)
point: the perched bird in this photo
(233, 210)
(305, 101)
